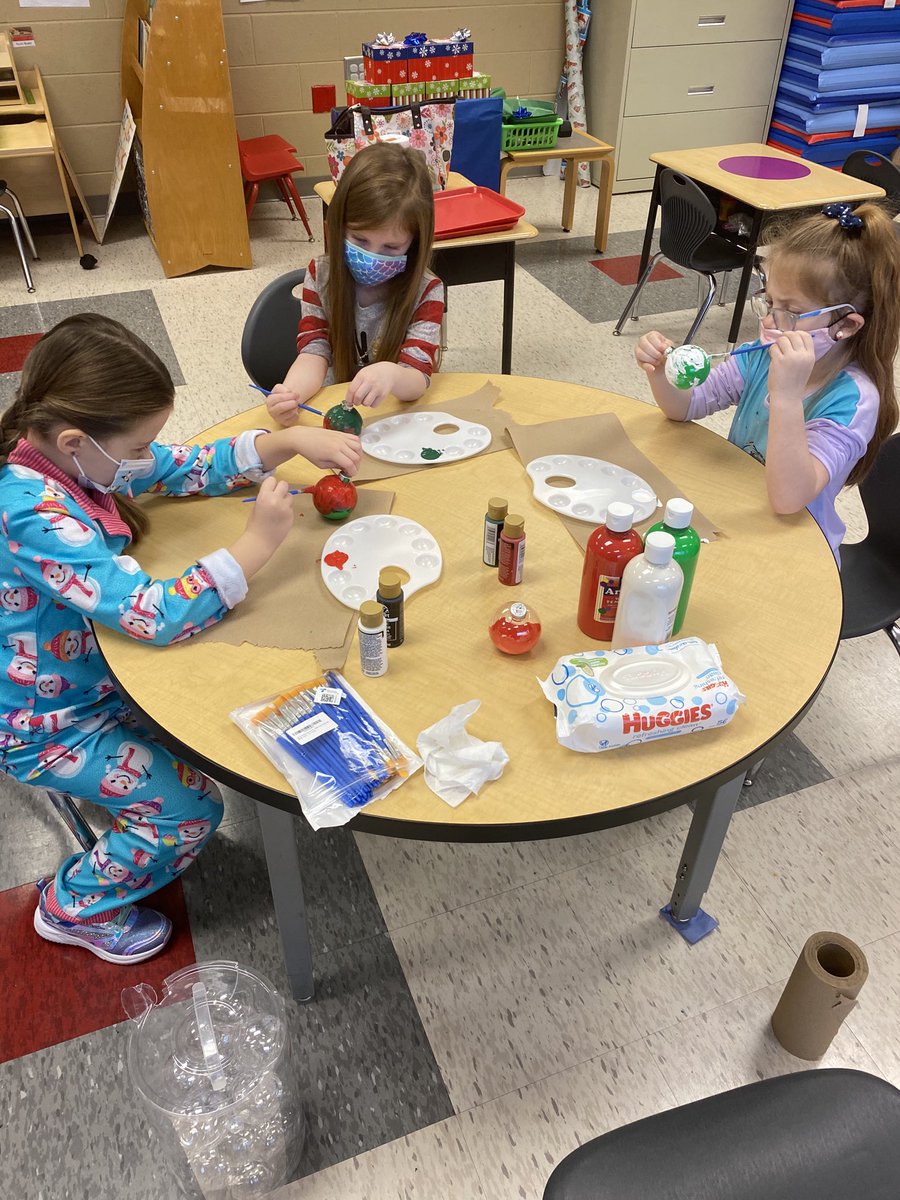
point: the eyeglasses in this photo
(785, 320)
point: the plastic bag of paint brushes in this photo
(333, 750)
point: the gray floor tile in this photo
(790, 767)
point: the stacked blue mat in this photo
(839, 89)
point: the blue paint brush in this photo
(307, 407)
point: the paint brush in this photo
(306, 407)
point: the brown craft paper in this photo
(479, 407)
(288, 605)
(821, 991)
(599, 436)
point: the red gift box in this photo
(385, 64)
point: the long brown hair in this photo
(861, 267)
(89, 373)
(384, 184)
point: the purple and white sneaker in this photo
(132, 936)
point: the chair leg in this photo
(251, 199)
(292, 188)
(704, 309)
(631, 306)
(893, 632)
(14, 226)
(286, 196)
(723, 293)
(25, 230)
(77, 825)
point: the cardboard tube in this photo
(821, 991)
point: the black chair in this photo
(816, 1135)
(269, 340)
(875, 168)
(870, 569)
(686, 238)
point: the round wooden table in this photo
(767, 593)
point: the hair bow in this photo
(461, 35)
(844, 215)
(415, 39)
(384, 39)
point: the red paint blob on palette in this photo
(336, 558)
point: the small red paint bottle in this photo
(609, 549)
(512, 550)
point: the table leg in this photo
(744, 285)
(571, 184)
(509, 285)
(701, 848)
(506, 165)
(280, 842)
(604, 203)
(651, 223)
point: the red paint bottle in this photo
(610, 548)
(512, 550)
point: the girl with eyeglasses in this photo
(815, 400)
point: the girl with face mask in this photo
(816, 400)
(77, 442)
(371, 311)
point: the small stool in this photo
(15, 217)
(271, 157)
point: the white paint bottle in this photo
(373, 656)
(648, 601)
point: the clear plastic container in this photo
(212, 1060)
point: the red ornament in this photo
(334, 497)
(515, 628)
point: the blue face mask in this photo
(368, 268)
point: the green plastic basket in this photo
(531, 135)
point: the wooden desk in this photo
(579, 148)
(767, 593)
(820, 186)
(480, 258)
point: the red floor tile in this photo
(14, 350)
(624, 270)
(52, 993)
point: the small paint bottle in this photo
(372, 639)
(493, 522)
(512, 550)
(390, 597)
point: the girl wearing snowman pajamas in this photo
(76, 444)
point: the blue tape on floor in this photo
(693, 930)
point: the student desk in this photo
(767, 593)
(477, 259)
(763, 179)
(579, 148)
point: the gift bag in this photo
(427, 128)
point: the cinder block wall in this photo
(277, 49)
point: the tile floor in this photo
(481, 1010)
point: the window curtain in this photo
(570, 100)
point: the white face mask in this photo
(822, 339)
(127, 469)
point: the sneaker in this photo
(132, 936)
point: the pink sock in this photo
(53, 908)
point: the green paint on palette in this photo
(431, 454)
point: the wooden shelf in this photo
(182, 106)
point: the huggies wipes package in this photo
(610, 698)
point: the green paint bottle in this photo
(677, 522)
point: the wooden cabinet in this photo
(675, 74)
(189, 174)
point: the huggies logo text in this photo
(642, 722)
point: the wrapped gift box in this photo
(386, 64)
(408, 93)
(441, 89)
(435, 60)
(373, 95)
(476, 88)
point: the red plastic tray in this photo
(472, 210)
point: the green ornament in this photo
(345, 420)
(686, 366)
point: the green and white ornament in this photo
(686, 366)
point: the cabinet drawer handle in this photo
(701, 91)
(705, 21)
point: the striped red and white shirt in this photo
(419, 348)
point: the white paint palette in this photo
(424, 438)
(583, 488)
(355, 554)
